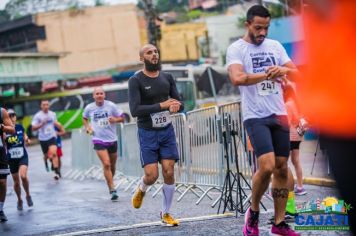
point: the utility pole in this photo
(153, 30)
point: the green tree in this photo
(171, 5)
(99, 3)
(4, 16)
(276, 10)
(194, 14)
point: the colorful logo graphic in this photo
(327, 214)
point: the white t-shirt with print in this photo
(99, 120)
(265, 98)
(47, 131)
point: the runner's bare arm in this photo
(117, 119)
(27, 139)
(87, 126)
(60, 127)
(239, 77)
(7, 125)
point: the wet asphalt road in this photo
(71, 206)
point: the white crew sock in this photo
(168, 191)
(143, 186)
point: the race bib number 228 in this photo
(161, 119)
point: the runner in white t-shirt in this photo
(257, 65)
(103, 116)
(44, 121)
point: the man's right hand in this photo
(166, 104)
(43, 123)
(89, 131)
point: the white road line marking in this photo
(141, 225)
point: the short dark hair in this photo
(257, 10)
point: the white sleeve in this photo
(86, 112)
(35, 120)
(54, 116)
(233, 56)
(284, 58)
(116, 111)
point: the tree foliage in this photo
(172, 5)
(4, 16)
(99, 3)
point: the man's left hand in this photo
(276, 72)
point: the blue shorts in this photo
(269, 134)
(157, 144)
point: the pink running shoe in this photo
(251, 225)
(283, 229)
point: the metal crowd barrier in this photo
(244, 157)
(181, 131)
(201, 167)
(83, 156)
(204, 151)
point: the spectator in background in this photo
(294, 118)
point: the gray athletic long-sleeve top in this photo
(146, 93)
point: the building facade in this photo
(93, 38)
(180, 42)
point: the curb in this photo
(326, 182)
(142, 225)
